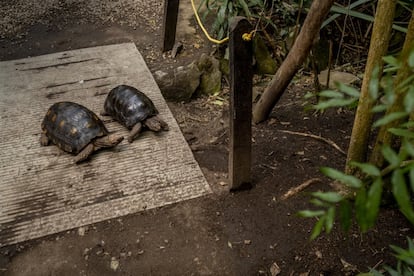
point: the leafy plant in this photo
(366, 191)
(254, 10)
(369, 188)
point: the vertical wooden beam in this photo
(170, 23)
(241, 74)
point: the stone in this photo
(335, 77)
(265, 64)
(180, 84)
(210, 82)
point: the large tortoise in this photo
(76, 129)
(133, 109)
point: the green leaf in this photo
(409, 124)
(408, 147)
(331, 94)
(350, 7)
(379, 108)
(349, 90)
(317, 229)
(222, 14)
(401, 194)
(330, 218)
(331, 197)
(348, 180)
(334, 103)
(245, 8)
(390, 117)
(402, 132)
(311, 213)
(391, 60)
(409, 100)
(390, 155)
(363, 16)
(411, 175)
(318, 202)
(410, 244)
(366, 168)
(404, 84)
(345, 214)
(360, 209)
(373, 201)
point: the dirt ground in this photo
(250, 232)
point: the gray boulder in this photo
(180, 84)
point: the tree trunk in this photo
(300, 50)
(378, 48)
(384, 137)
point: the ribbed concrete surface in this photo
(41, 191)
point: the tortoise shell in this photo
(72, 126)
(128, 105)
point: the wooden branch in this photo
(300, 50)
(329, 142)
(299, 188)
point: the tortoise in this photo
(76, 129)
(133, 109)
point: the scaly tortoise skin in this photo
(76, 129)
(133, 109)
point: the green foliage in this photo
(338, 10)
(368, 188)
(226, 9)
(405, 263)
(254, 10)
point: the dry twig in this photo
(299, 188)
(320, 138)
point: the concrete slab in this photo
(41, 191)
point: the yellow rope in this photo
(245, 36)
(204, 29)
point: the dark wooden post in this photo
(170, 23)
(241, 74)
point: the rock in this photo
(82, 231)
(178, 47)
(275, 269)
(179, 85)
(336, 76)
(210, 82)
(265, 64)
(114, 264)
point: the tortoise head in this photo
(108, 141)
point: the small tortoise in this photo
(133, 109)
(76, 129)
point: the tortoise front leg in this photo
(44, 140)
(156, 124)
(84, 154)
(135, 131)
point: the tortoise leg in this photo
(104, 113)
(156, 124)
(135, 131)
(84, 154)
(44, 140)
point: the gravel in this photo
(17, 16)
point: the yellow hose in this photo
(245, 36)
(204, 29)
